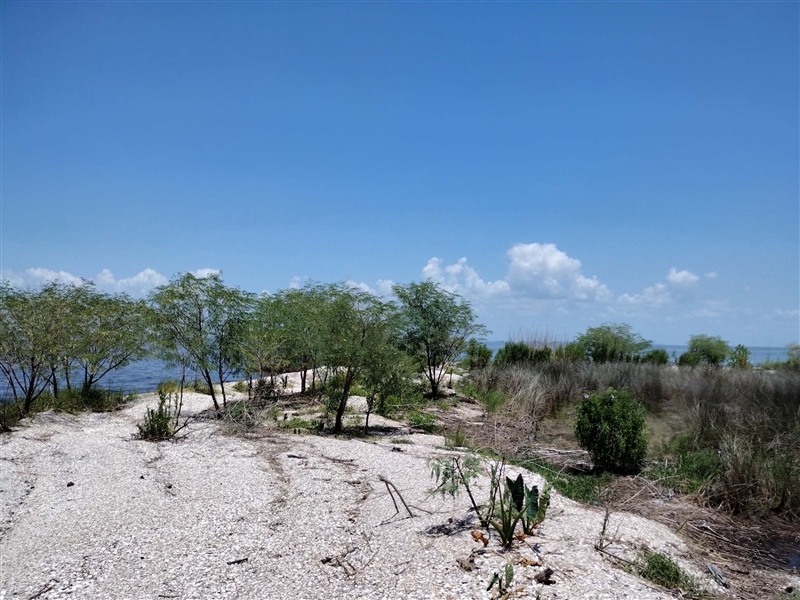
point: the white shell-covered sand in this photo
(88, 511)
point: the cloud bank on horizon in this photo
(541, 282)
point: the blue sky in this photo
(560, 165)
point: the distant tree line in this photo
(615, 342)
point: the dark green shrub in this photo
(572, 352)
(656, 356)
(689, 359)
(611, 426)
(541, 355)
(478, 355)
(513, 353)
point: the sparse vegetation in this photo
(158, 424)
(662, 570)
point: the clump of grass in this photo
(662, 570)
(168, 386)
(585, 488)
(422, 420)
(456, 438)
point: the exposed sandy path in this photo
(304, 516)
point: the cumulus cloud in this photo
(660, 294)
(139, 284)
(462, 278)
(544, 271)
(676, 277)
(655, 295)
(39, 275)
(711, 275)
(203, 273)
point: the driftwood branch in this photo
(389, 487)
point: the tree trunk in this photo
(348, 381)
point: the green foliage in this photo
(422, 420)
(515, 503)
(656, 356)
(585, 488)
(513, 353)
(158, 423)
(503, 582)
(611, 427)
(167, 386)
(685, 466)
(612, 342)
(739, 357)
(706, 350)
(662, 570)
(478, 355)
(436, 325)
(198, 323)
(454, 472)
(571, 352)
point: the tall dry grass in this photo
(749, 418)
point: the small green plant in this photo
(516, 503)
(502, 581)
(662, 570)
(158, 424)
(456, 438)
(240, 386)
(454, 472)
(493, 400)
(422, 420)
(610, 425)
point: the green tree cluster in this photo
(65, 335)
(340, 334)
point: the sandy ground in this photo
(88, 511)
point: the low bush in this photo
(611, 426)
(158, 423)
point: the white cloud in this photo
(711, 275)
(463, 279)
(359, 286)
(203, 273)
(139, 284)
(295, 282)
(792, 313)
(39, 275)
(676, 277)
(655, 295)
(384, 287)
(544, 271)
